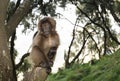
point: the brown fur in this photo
(45, 45)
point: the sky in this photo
(64, 29)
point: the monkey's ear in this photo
(53, 22)
(39, 24)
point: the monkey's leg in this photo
(44, 63)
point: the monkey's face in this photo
(46, 28)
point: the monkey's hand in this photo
(47, 66)
(52, 52)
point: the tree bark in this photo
(37, 74)
(19, 14)
(6, 70)
(6, 30)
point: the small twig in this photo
(84, 41)
(70, 21)
(69, 50)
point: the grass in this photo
(106, 69)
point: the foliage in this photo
(95, 9)
(100, 36)
(24, 67)
(106, 69)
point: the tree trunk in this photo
(5, 61)
(37, 74)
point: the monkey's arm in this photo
(52, 52)
(51, 55)
(39, 58)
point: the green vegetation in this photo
(106, 69)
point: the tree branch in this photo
(105, 32)
(110, 7)
(114, 15)
(12, 54)
(78, 54)
(19, 14)
(94, 41)
(22, 60)
(113, 38)
(69, 50)
(3, 10)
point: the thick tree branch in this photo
(19, 14)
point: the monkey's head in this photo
(47, 25)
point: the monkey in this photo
(45, 43)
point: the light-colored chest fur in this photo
(50, 42)
(45, 43)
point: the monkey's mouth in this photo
(46, 33)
